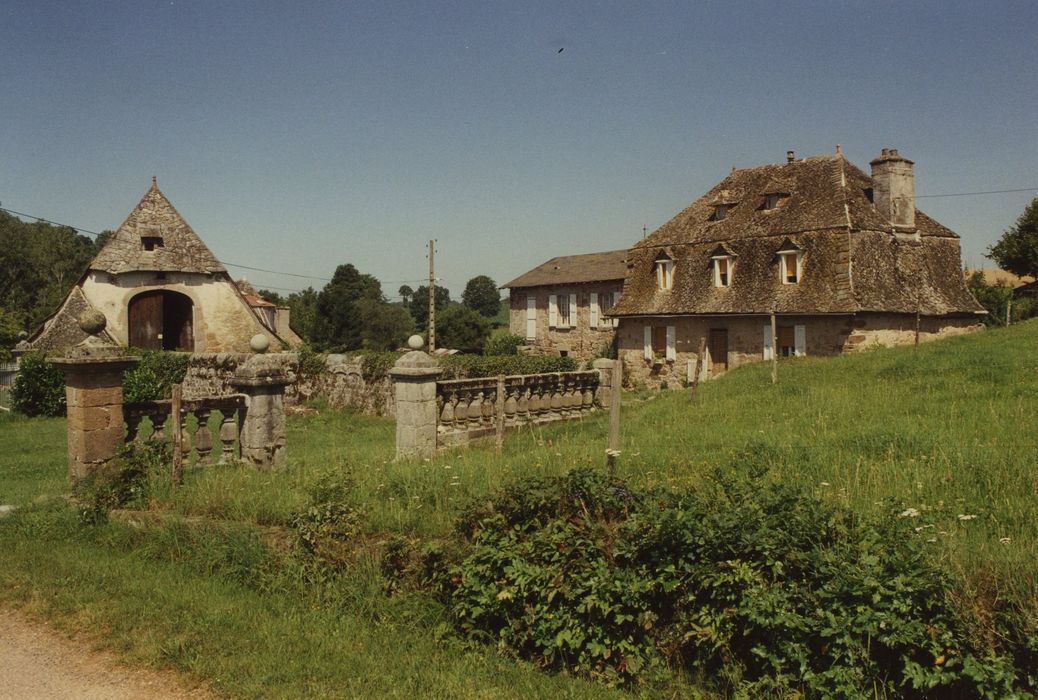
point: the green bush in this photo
(753, 584)
(503, 344)
(153, 378)
(311, 362)
(462, 328)
(39, 387)
(329, 521)
(463, 366)
(124, 481)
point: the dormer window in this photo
(791, 261)
(720, 212)
(773, 201)
(724, 266)
(664, 273)
(151, 242)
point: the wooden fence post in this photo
(700, 366)
(613, 441)
(774, 349)
(1009, 311)
(499, 407)
(178, 435)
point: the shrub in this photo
(153, 378)
(311, 362)
(754, 584)
(329, 521)
(503, 344)
(39, 387)
(462, 366)
(126, 480)
(462, 328)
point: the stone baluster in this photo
(158, 424)
(461, 410)
(523, 404)
(556, 399)
(476, 410)
(534, 401)
(447, 411)
(228, 436)
(203, 436)
(487, 408)
(511, 405)
(133, 427)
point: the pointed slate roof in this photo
(178, 250)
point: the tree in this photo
(273, 297)
(302, 307)
(420, 305)
(462, 328)
(481, 295)
(1017, 250)
(405, 293)
(383, 326)
(338, 324)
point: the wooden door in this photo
(145, 321)
(718, 344)
(176, 323)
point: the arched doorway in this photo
(161, 320)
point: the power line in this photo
(971, 194)
(115, 241)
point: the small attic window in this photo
(720, 211)
(151, 242)
(664, 265)
(724, 266)
(773, 200)
(791, 262)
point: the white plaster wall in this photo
(222, 321)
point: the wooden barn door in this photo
(145, 321)
(177, 332)
(718, 344)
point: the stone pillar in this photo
(414, 381)
(263, 378)
(605, 380)
(94, 394)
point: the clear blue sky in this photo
(302, 135)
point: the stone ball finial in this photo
(259, 343)
(92, 322)
(415, 342)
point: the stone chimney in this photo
(893, 188)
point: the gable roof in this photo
(573, 269)
(154, 216)
(853, 261)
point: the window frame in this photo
(784, 257)
(774, 199)
(664, 274)
(729, 261)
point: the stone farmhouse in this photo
(844, 260)
(159, 287)
(560, 307)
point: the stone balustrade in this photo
(468, 409)
(232, 412)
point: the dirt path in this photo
(38, 662)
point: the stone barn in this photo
(159, 287)
(843, 259)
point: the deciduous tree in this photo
(1017, 250)
(481, 295)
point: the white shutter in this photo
(769, 342)
(531, 317)
(800, 340)
(572, 310)
(553, 310)
(593, 311)
(648, 343)
(704, 371)
(672, 351)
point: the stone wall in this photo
(341, 384)
(582, 340)
(825, 336)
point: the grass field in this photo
(947, 429)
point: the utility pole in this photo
(432, 298)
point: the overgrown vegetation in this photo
(753, 586)
(997, 298)
(460, 366)
(127, 481)
(154, 376)
(39, 387)
(503, 344)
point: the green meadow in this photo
(947, 431)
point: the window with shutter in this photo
(553, 310)
(647, 348)
(531, 317)
(769, 346)
(564, 311)
(592, 319)
(573, 311)
(786, 341)
(672, 349)
(800, 340)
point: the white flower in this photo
(612, 453)
(967, 517)
(909, 513)
(446, 466)
(932, 539)
(825, 483)
(1005, 540)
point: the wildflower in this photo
(612, 453)
(909, 513)
(446, 466)
(1005, 540)
(922, 527)
(932, 539)
(967, 517)
(825, 483)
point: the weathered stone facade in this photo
(822, 335)
(578, 337)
